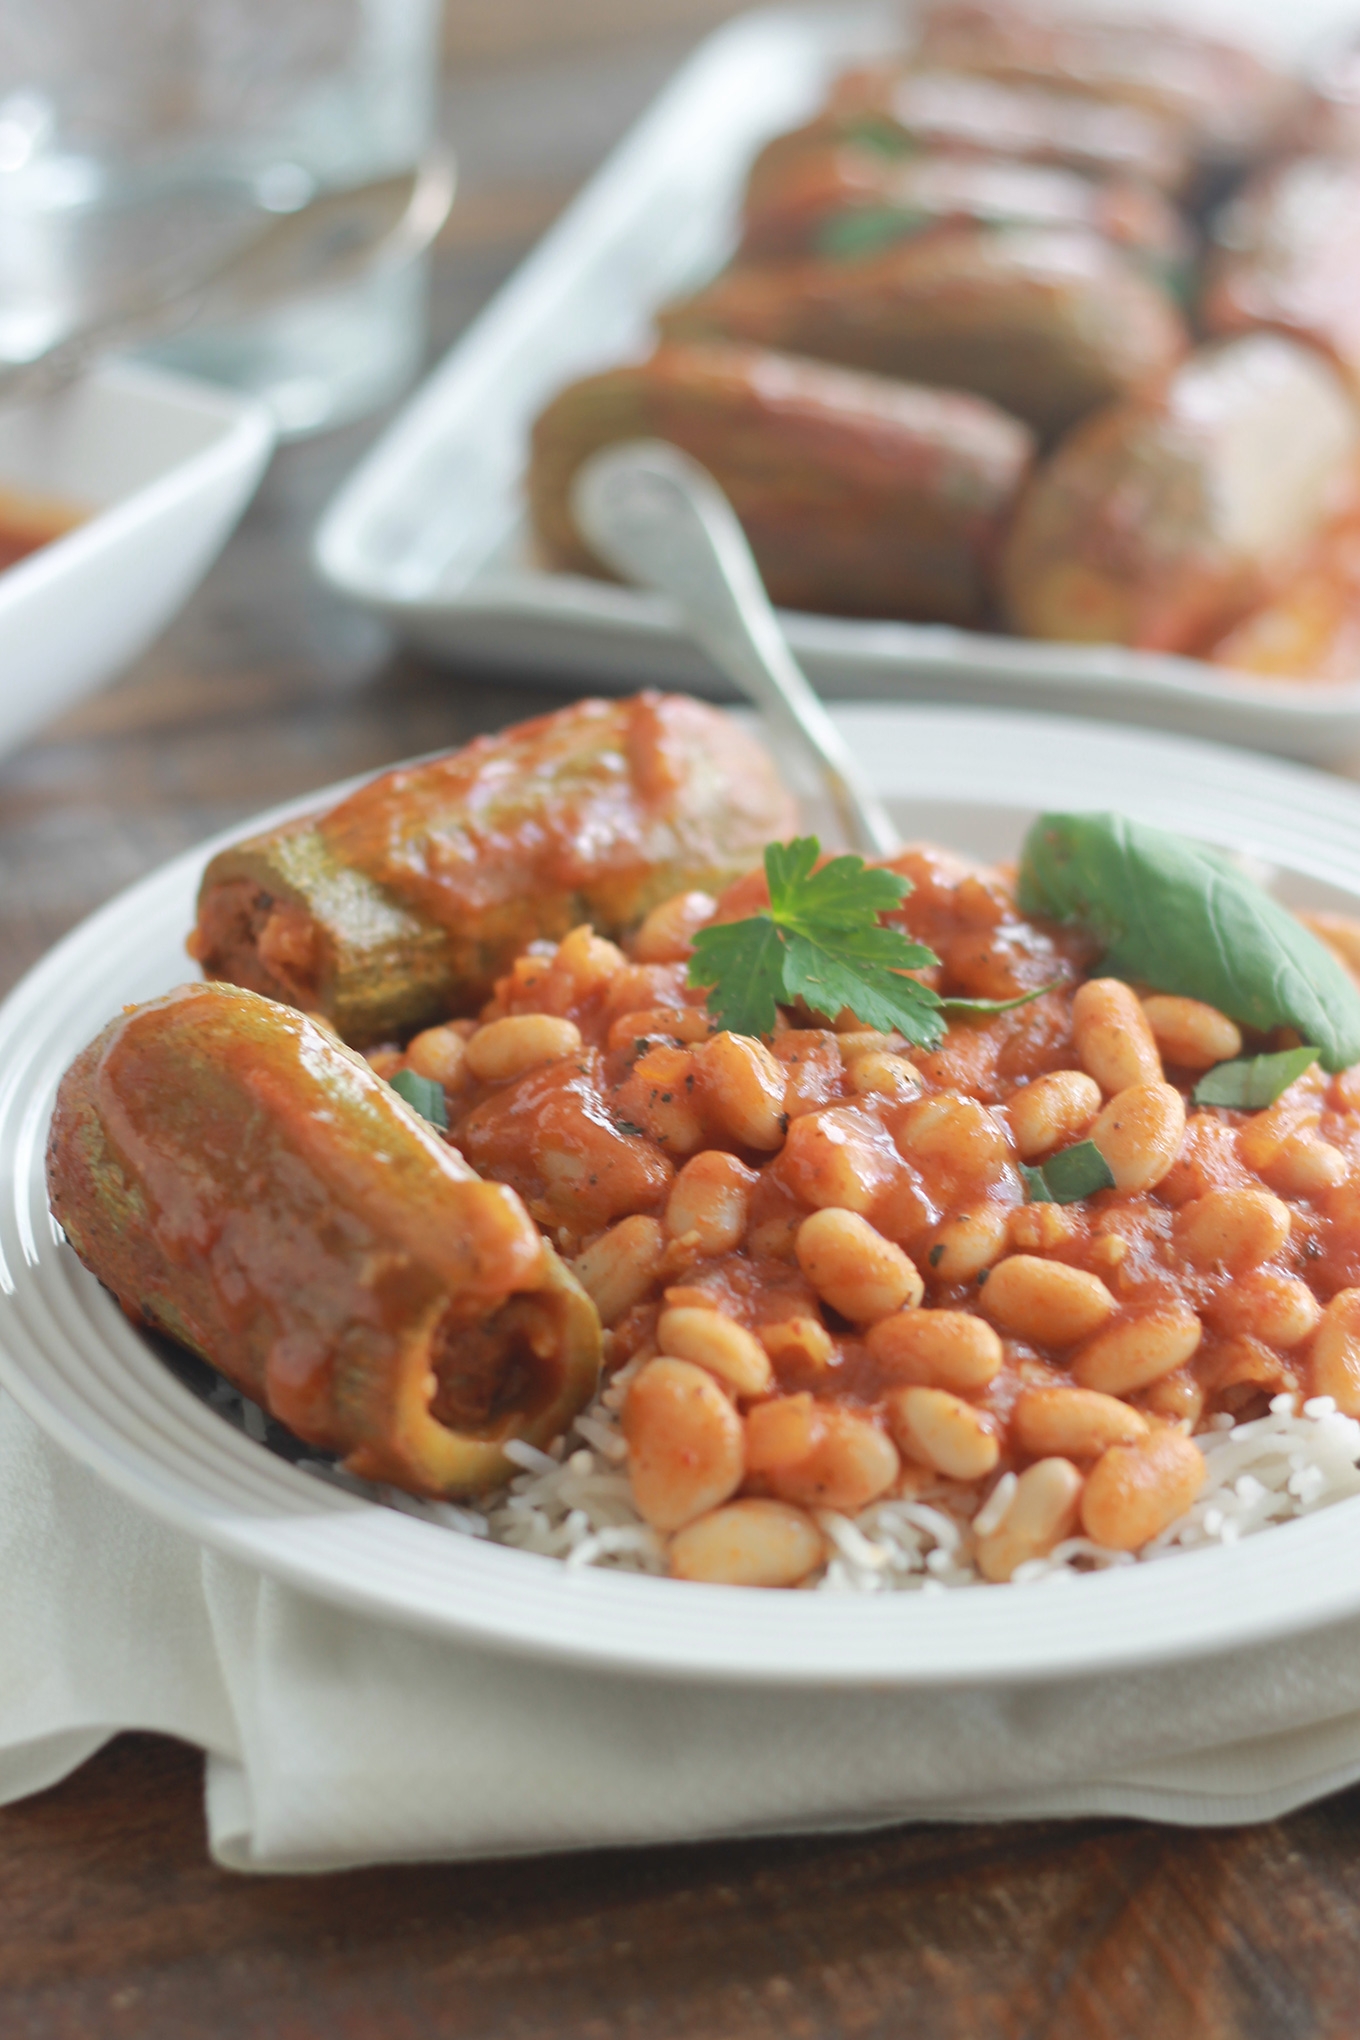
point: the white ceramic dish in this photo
(430, 528)
(166, 467)
(75, 1363)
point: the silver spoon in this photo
(658, 518)
(331, 240)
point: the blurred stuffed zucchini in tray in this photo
(895, 112)
(847, 202)
(1049, 213)
(1163, 521)
(1047, 323)
(858, 494)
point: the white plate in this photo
(75, 1363)
(430, 529)
(166, 467)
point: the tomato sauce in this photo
(29, 522)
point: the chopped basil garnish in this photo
(1068, 1177)
(423, 1095)
(865, 232)
(1255, 1081)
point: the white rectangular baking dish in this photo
(430, 529)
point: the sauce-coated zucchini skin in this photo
(848, 202)
(1310, 630)
(404, 903)
(1161, 521)
(1047, 323)
(902, 113)
(243, 1181)
(1229, 102)
(858, 495)
(1288, 258)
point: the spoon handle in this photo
(660, 519)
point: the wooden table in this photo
(111, 1919)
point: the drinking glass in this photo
(141, 138)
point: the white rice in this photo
(573, 1503)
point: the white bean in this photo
(1042, 1511)
(618, 1269)
(503, 1049)
(1114, 1041)
(1045, 1301)
(752, 1543)
(711, 1339)
(1191, 1034)
(853, 1268)
(1052, 1111)
(710, 1202)
(685, 1443)
(942, 1431)
(1074, 1423)
(1138, 1349)
(852, 1465)
(1139, 1133)
(1134, 1491)
(1335, 1354)
(742, 1088)
(937, 1349)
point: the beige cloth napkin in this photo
(335, 1741)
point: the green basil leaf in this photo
(1077, 1172)
(872, 131)
(1254, 1081)
(423, 1095)
(1170, 914)
(1068, 1177)
(867, 230)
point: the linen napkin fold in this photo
(334, 1741)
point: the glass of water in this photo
(140, 139)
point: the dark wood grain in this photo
(112, 1921)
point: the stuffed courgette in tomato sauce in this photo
(406, 901)
(244, 1182)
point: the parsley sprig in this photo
(821, 941)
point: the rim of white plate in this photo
(100, 1391)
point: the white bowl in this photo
(69, 1356)
(166, 467)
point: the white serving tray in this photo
(430, 530)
